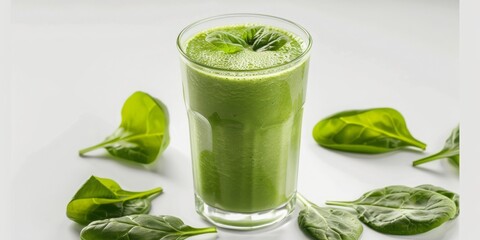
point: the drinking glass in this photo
(245, 129)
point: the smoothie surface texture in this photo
(245, 129)
(205, 53)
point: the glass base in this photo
(243, 221)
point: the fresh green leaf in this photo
(401, 210)
(269, 41)
(451, 195)
(325, 223)
(451, 150)
(102, 198)
(455, 161)
(226, 42)
(252, 33)
(141, 227)
(143, 132)
(258, 38)
(375, 130)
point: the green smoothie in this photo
(245, 113)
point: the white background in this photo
(74, 63)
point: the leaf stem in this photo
(102, 144)
(153, 191)
(425, 160)
(419, 144)
(341, 204)
(147, 194)
(436, 156)
(199, 231)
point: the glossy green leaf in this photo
(450, 151)
(226, 42)
(252, 34)
(102, 198)
(143, 133)
(455, 161)
(269, 41)
(451, 195)
(325, 223)
(375, 130)
(402, 210)
(141, 227)
(257, 38)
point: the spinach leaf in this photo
(451, 150)
(252, 34)
(258, 38)
(227, 42)
(141, 227)
(455, 161)
(325, 223)
(143, 132)
(269, 41)
(451, 195)
(402, 210)
(102, 198)
(375, 130)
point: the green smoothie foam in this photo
(203, 52)
(244, 125)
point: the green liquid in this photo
(245, 127)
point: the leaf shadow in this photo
(363, 156)
(171, 164)
(451, 168)
(412, 150)
(76, 228)
(430, 171)
(446, 166)
(391, 165)
(127, 163)
(373, 156)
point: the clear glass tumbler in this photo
(245, 129)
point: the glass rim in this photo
(305, 51)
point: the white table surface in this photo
(75, 62)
